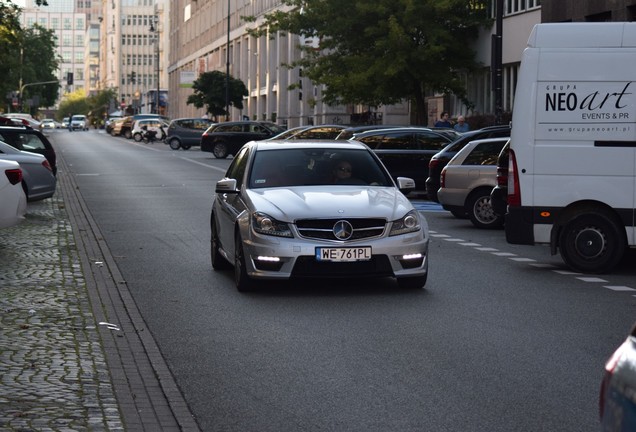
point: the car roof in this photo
(300, 144)
(472, 144)
(394, 130)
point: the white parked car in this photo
(152, 124)
(311, 209)
(467, 180)
(38, 181)
(12, 195)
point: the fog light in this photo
(267, 263)
(410, 261)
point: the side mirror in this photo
(405, 184)
(226, 185)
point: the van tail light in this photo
(514, 191)
(47, 165)
(442, 178)
(14, 175)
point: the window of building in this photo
(67, 56)
(30, 21)
(79, 57)
(66, 40)
(79, 40)
(67, 24)
(79, 24)
(55, 23)
(79, 74)
(43, 21)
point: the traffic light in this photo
(69, 78)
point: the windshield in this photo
(316, 166)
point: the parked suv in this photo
(186, 132)
(467, 180)
(439, 160)
(406, 152)
(28, 139)
(223, 139)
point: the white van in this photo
(571, 181)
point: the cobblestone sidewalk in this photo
(53, 371)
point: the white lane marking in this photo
(223, 170)
(523, 259)
(504, 254)
(619, 288)
(566, 272)
(454, 240)
(487, 249)
(542, 265)
(592, 279)
(470, 244)
(440, 235)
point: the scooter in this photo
(150, 136)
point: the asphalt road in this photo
(503, 338)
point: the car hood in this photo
(289, 204)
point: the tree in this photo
(383, 51)
(74, 103)
(209, 91)
(28, 56)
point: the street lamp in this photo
(154, 28)
(227, 67)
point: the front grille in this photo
(308, 266)
(322, 229)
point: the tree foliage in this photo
(384, 51)
(28, 57)
(209, 92)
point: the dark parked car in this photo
(406, 152)
(348, 133)
(499, 194)
(186, 132)
(617, 404)
(439, 160)
(28, 139)
(225, 139)
(329, 132)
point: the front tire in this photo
(412, 283)
(137, 137)
(480, 210)
(220, 150)
(242, 280)
(174, 144)
(217, 260)
(592, 243)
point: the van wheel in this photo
(480, 210)
(220, 150)
(592, 242)
(137, 137)
(174, 144)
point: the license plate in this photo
(343, 254)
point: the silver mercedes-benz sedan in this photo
(325, 209)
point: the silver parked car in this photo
(38, 180)
(299, 209)
(467, 180)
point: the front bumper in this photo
(269, 257)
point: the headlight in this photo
(409, 223)
(265, 224)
